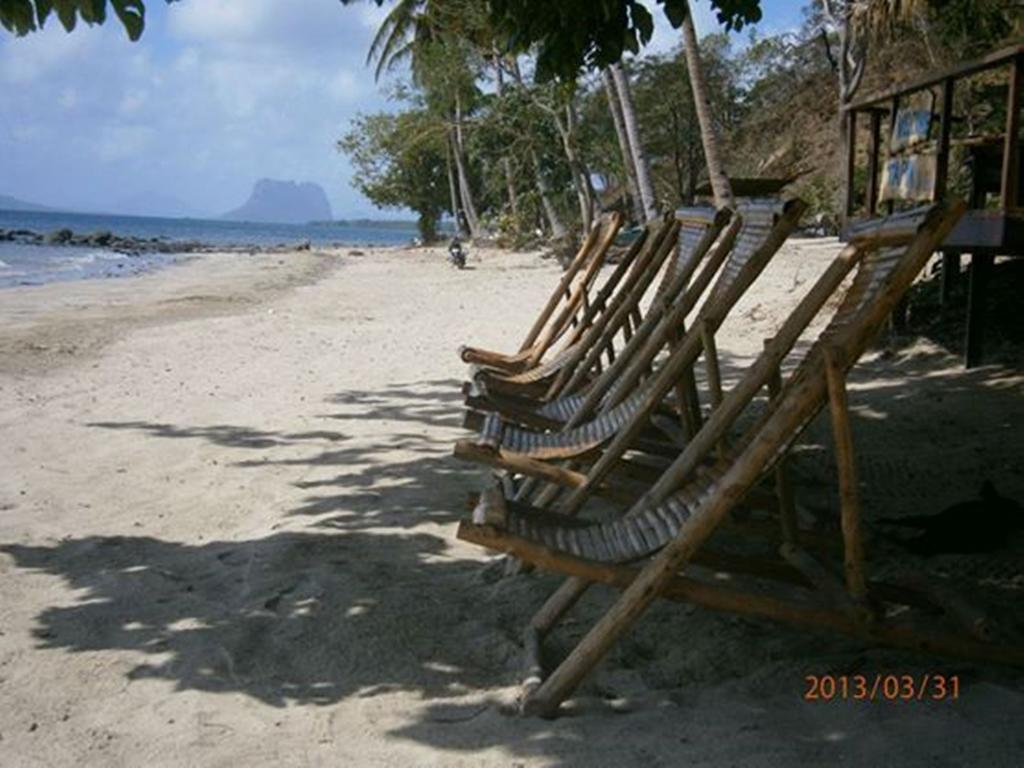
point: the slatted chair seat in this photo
(677, 516)
(761, 231)
(698, 230)
(873, 271)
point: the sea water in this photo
(37, 264)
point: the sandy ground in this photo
(227, 508)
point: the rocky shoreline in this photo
(129, 245)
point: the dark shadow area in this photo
(432, 403)
(361, 606)
(223, 434)
(946, 324)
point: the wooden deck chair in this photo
(695, 495)
(704, 239)
(688, 235)
(563, 305)
(625, 414)
(614, 309)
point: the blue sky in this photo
(216, 94)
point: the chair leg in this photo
(554, 609)
(632, 603)
(783, 481)
(849, 496)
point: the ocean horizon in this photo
(22, 264)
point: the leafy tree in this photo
(24, 16)
(399, 161)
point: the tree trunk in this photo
(708, 132)
(550, 212)
(627, 152)
(453, 192)
(580, 173)
(849, 69)
(472, 221)
(510, 185)
(643, 168)
(558, 229)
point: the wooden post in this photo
(981, 265)
(945, 133)
(851, 161)
(874, 149)
(889, 206)
(849, 497)
(783, 483)
(1011, 154)
(950, 275)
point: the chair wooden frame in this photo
(846, 603)
(562, 306)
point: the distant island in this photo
(8, 203)
(283, 202)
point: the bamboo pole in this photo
(800, 403)
(783, 482)
(716, 597)
(578, 293)
(578, 262)
(757, 375)
(553, 610)
(849, 497)
(664, 314)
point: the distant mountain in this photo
(283, 202)
(8, 203)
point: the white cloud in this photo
(120, 141)
(27, 60)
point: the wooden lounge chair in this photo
(623, 408)
(616, 310)
(674, 520)
(698, 230)
(563, 305)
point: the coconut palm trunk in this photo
(720, 185)
(636, 203)
(465, 191)
(510, 184)
(453, 191)
(580, 173)
(632, 128)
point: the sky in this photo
(215, 95)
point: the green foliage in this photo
(24, 16)
(591, 34)
(399, 161)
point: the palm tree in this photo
(429, 36)
(720, 185)
(624, 148)
(638, 156)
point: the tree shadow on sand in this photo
(361, 606)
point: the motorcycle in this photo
(456, 256)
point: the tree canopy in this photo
(24, 16)
(570, 34)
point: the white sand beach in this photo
(227, 516)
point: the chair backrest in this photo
(576, 290)
(581, 271)
(702, 234)
(697, 225)
(764, 226)
(889, 254)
